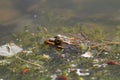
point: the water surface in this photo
(15, 14)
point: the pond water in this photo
(15, 14)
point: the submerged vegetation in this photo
(39, 61)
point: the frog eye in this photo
(58, 41)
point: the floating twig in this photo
(38, 65)
(104, 44)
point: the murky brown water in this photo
(15, 14)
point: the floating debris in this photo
(87, 54)
(83, 46)
(113, 63)
(45, 57)
(4, 62)
(100, 65)
(9, 50)
(27, 52)
(98, 60)
(81, 72)
(61, 78)
(25, 70)
(53, 77)
(73, 65)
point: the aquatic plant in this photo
(44, 62)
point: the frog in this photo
(68, 45)
(60, 41)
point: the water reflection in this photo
(16, 14)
